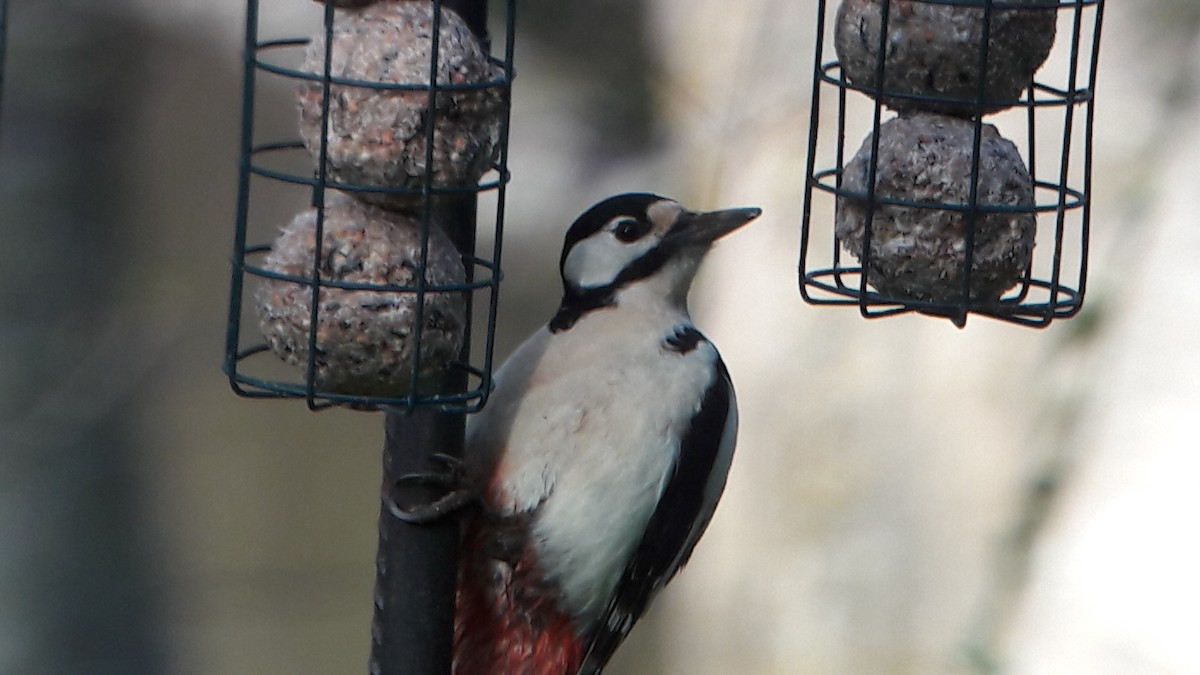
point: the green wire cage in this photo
(363, 187)
(947, 216)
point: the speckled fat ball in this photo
(377, 136)
(934, 50)
(919, 253)
(365, 338)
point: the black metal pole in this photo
(416, 565)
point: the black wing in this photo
(681, 516)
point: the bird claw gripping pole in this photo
(456, 493)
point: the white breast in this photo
(584, 425)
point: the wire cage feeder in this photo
(910, 156)
(404, 113)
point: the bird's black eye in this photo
(631, 229)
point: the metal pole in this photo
(416, 565)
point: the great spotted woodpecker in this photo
(602, 452)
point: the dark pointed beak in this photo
(702, 229)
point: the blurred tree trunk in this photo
(76, 583)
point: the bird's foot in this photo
(456, 494)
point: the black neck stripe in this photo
(578, 302)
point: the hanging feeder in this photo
(364, 296)
(366, 290)
(957, 173)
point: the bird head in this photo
(638, 242)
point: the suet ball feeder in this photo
(932, 54)
(424, 147)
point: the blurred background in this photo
(907, 498)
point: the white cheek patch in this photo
(597, 260)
